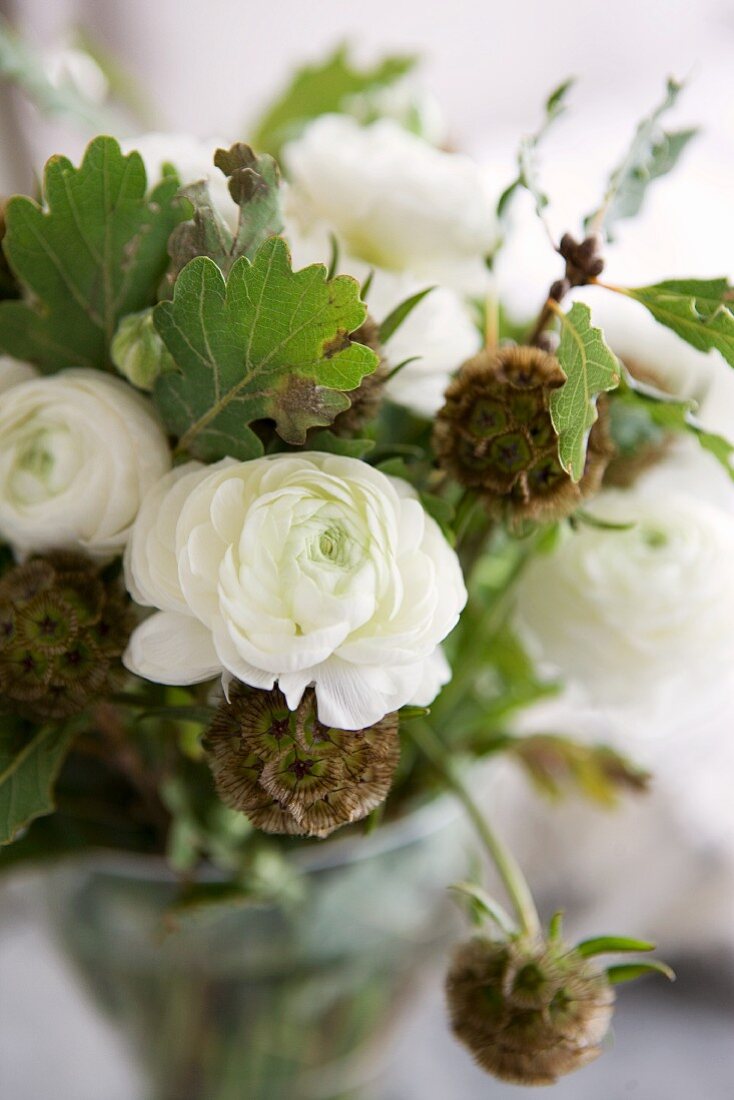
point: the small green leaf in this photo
(254, 184)
(482, 906)
(270, 343)
(323, 89)
(555, 927)
(603, 945)
(394, 320)
(94, 252)
(527, 176)
(697, 310)
(652, 153)
(338, 445)
(627, 972)
(672, 414)
(591, 368)
(29, 765)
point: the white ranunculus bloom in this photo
(439, 335)
(301, 569)
(78, 451)
(392, 199)
(13, 371)
(636, 616)
(193, 159)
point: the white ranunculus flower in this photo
(193, 159)
(78, 451)
(13, 371)
(301, 569)
(636, 616)
(439, 334)
(392, 199)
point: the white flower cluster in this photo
(304, 569)
(412, 215)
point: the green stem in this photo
(508, 869)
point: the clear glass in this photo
(257, 1002)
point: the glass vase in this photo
(265, 1002)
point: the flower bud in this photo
(495, 435)
(63, 628)
(292, 774)
(137, 350)
(528, 1012)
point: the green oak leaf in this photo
(94, 252)
(697, 310)
(591, 368)
(254, 184)
(653, 152)
(322, 89)
(672, 414)
(29, 765)
(270, 343)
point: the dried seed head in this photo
(529, 1013)
(62, 631)
(367, 398)
(290, 773)
(495, 435)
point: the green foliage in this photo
(29, 764)
(270, 343)
(94, 252)
(254, 186)
(556, 764)
(591, 368)
(604, 945)
(652, 153)
(394, 320)
(527, 168)
(627, 972)
(321, 89)
(25, 68)
(697, 310)
(664, 414)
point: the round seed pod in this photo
(63, 629)
(528, 1012)
(292, 774)
(495, 435)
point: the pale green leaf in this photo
(698, 310)
(321, 89)
(395, 319)
(653, 152)
(29, 765)
(269, 343)
(591, 368)
(527, 175)
(254, 186)
(604, 945)
(627, 972)
(94, 252)
(672, 414)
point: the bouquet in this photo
(291, 506)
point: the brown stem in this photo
(108, 723)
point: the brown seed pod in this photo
(367, 398)
(292, 774)
(529, 1013)
(494, 435)
(62, 631)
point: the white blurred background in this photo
(665, 865)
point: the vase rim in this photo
(417, 824)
